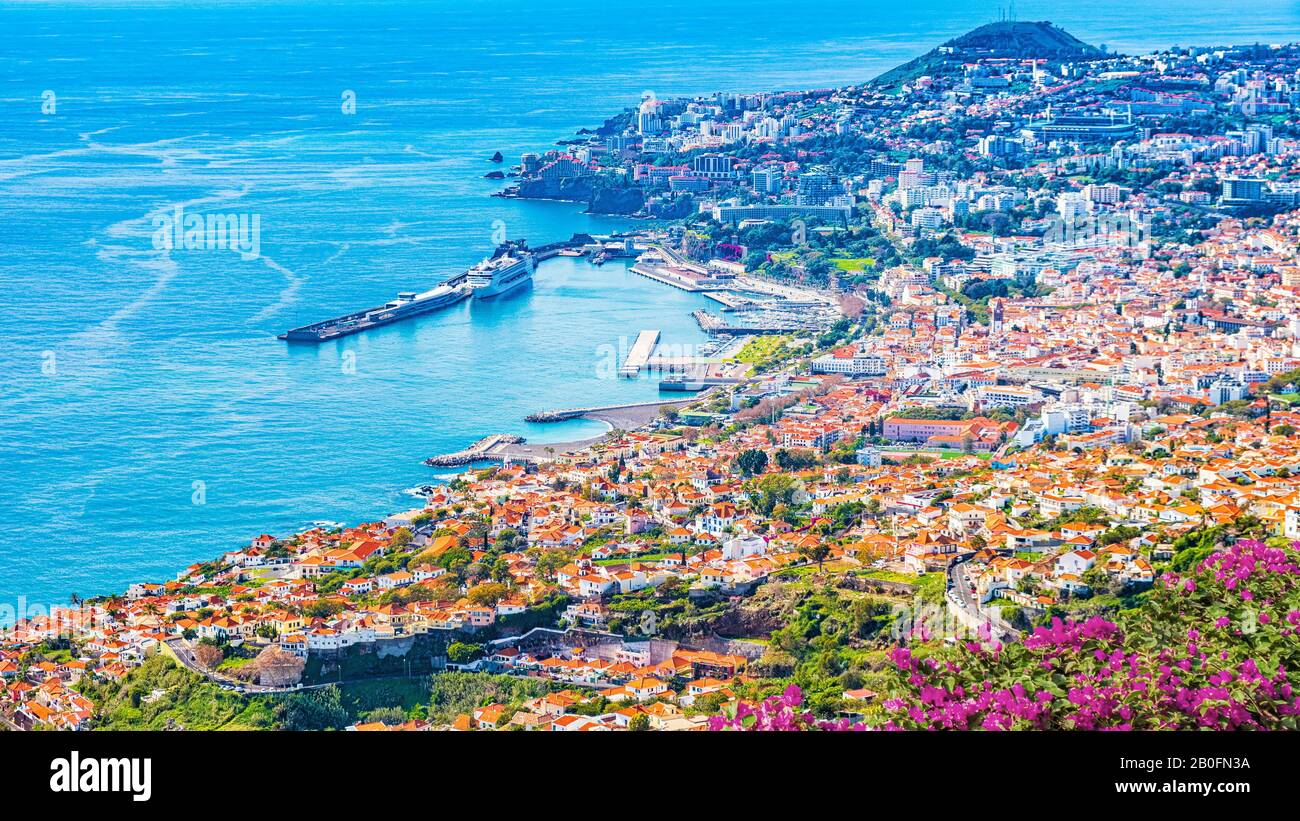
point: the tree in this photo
(500, 571)
(462, 653)
(752, 462)
(795, 459)
(551, 561)
(507, 540)
(316, 710)
(639, 723)
(275, 667)
(487, 594)
(454, 560)
(774, 489)
(209, 655)
(322, 608)
(480, 530)
(400, 539)
(816, 552)
(391, 716)
(1096, 578)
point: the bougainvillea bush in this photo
(1215, 647)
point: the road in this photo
(181, 648)
(960, 596)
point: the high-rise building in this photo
(1108, 194)
(996, 145)
(1071, 206)
(768, 179)
(1240, 189)
(817, 187)
(885, 168)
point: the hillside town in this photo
(1070, 337)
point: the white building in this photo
(850, 362)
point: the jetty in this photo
(477, 452)
(620, 416)
(410, 304)
(639, 355)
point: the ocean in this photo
(149, 418)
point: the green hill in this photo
(1007, 39)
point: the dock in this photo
(481, 450)
(508, 449)
(364, 320)
(621, 416)
(358, 321)
(639, 354)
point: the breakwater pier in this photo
(477, 452)
(639, 354)
(507, 448)
(410, 304)
(624, 417)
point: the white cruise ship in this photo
(510, 267)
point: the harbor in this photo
(753, 306)
(763, 321)
(511, 265)
(623, 417)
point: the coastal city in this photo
(996, 428)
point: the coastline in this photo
(501, 447)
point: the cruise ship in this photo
(407, 304)
(511, 266)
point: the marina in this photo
(766, 321)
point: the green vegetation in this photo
(854, 263)
(751, 462)
(160, 695)
(830, 640)
(764, 352)
(358, 662)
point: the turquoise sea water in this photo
(130, 378)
